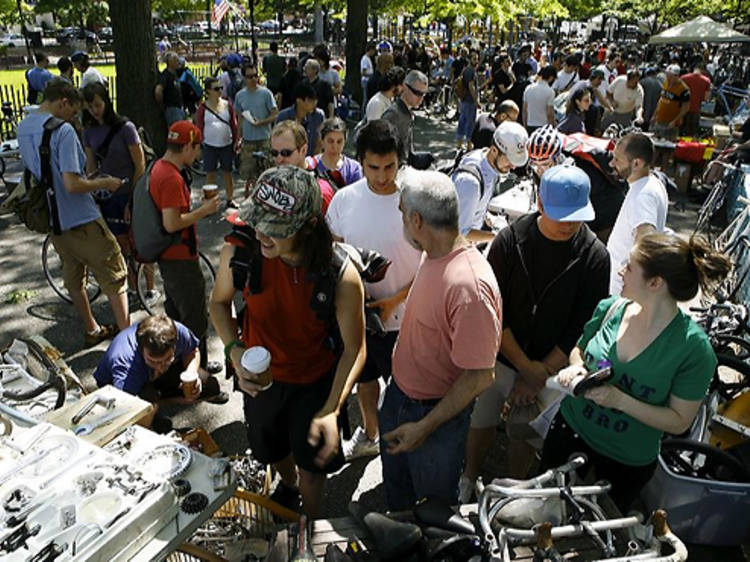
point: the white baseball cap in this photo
(673, 69)
(510, 138)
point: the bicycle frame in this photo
(721, 93)
(499, 544)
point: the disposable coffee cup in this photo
(210, 190)
(257, 360)
(189, 380)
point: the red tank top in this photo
(280, 319)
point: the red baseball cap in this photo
(184, 132)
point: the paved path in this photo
(44, 313)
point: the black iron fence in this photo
(13, 98)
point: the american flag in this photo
(221, 7)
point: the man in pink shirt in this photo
(445, 353)
(700, 91)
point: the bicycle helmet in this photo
(545, 144)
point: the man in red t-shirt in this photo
(178, 264)
(700, 90)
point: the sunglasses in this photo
(416, 92)
(285, 152)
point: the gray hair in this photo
(432, 195)
(415, 77)
(312, 63)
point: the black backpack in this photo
(455, 167)
(247, 271)
(34, 200)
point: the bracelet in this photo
(228, 348)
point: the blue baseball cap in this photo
(564, 192)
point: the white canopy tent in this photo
(700, 29)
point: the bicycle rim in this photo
(52, 267)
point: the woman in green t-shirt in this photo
(662, 363)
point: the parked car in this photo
(12, 40)
(68, 34)
(105, 34)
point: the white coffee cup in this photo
(257, 360)
(189, 380)
(210, 190)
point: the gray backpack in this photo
(149, 237)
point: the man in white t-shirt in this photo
(539, 101)
(479, 170)
(89, 74)
(390, 84)
(609, 69)
(625, 95)
(366, 69)
(568, 76)
(645, 207)
(366, 215)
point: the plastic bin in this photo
(700, 511)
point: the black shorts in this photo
(379, 356)
(218, 156)
(278, 421)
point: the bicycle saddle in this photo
(436, 513)
(393, 539)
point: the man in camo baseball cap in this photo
(283, 200)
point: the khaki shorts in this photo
(489, 403)
(249, 169)
(91, 246)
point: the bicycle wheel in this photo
(732, 346)
(150, 285)
(52, 266)
(711, 206)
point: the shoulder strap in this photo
(473, 171)
(219, 117)
(103, 149)
(45, 159)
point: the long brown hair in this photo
(685, 265)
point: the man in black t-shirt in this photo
(168, 93)
(488, 122)
(557, 270)
(322, 89)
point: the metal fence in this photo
(16, 97)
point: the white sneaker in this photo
(360, 445)
(465, 489)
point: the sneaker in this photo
(286, 496)
(465, 489)
(106, 332)
(360, 445)
(212, 392)
(214, 367)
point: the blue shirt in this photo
(74, 209)
(311, 123)
(260, 103)
(124, 367)
(38, 78)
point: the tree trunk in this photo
(318, 34)
(356, 41)
(135, 65)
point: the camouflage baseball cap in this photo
(283, 199)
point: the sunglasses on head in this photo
(285, 152)
(416, 92)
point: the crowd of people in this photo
(466, 338)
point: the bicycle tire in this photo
(733, 379)
(731, 346)
(734, 470)
(53, 274)
(711, 206)
(154, 304)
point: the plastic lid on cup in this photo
(256, 359)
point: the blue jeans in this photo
(173, 114)
(466, 119)
(434, 468)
